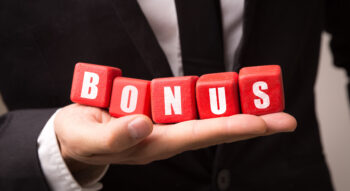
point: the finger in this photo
(169, 140)
(279, 122)
(203, 133)
(238, 127)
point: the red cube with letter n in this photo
(92, 84)
(261, 89)
(173, 99)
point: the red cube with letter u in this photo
(217, 95)
(92, 84)
(261, 89)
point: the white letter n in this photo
(171, 101)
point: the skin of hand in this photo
(90, 138)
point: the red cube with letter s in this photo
(92, 84)
(261, 89)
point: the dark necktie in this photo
(201, 45)
(200, 36)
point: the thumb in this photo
(127, 131)
(115, 135)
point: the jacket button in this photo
(223, 179)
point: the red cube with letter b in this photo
(173, 99)
(217, 95)
(92, 84)
(130, 96)
(261, 89)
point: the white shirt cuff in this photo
(54, 168)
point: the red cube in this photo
(130, 96)
(92, 84)
(173, 99)
(261, 89)
(217, 95)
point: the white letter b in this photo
(89, 89)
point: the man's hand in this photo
(89, 136)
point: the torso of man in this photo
(162, 17)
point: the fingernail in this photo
(139, 128)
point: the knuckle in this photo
(114, 143)
(261, 126)
(110, 142)
(77, 150)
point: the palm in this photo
(102, 139)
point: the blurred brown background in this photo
(333, 111)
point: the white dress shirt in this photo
(162, 17)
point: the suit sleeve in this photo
(20, 167)
(337, 18)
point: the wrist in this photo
(82, 172)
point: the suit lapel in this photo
(141, 34)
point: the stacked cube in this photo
(176, 99)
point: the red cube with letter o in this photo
(130, 96)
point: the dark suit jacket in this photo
(41, 40)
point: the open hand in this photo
(90, 136)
